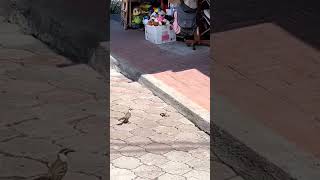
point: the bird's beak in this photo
(66, 151)
(69, 151)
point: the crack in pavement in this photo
(21, 122)
(13, 138)
(77, 121)
(6, 154)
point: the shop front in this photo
(165, 21)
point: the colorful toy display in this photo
(146, 14)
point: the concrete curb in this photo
(196, 114)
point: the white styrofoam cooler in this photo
(160, 34)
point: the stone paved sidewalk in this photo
(156, 147)
(44, 108)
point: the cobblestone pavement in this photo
(44, 108)
(156, 147)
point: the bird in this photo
(58, 169)
(125, 118)
(164, 115)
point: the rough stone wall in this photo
(72, 27)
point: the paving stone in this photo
(178, 156)
(163, 138)
(18, 40)
(79, 176)
(138, 141)
(64, 97)
(146, 171)
(132, 151)
(176, 168)
(171, 177)
(14, 54)
(120, 108)
(90, 162)
(116, 114)
(200, 153)
(121, 174)
(93, 142)
(117, 144)
(156, 111)
(26, 147)
(17, 101)
(126, 162)
(114, 155)
(158, 148)
(125, 127)
(171, 131)
(182, 127)
(119, 134)
(146, 123)
(7, 134)
(200, 175)
(153, 159)
(170, 109)
(21, 167)
(140, 178)
(200, 164)
(168, 122)
(145, 102)
(189, 137)
(184, 146)
(143, 132)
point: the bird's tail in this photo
(121, 119)
(120, 123)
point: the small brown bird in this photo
(58, 169)
(126, 117)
